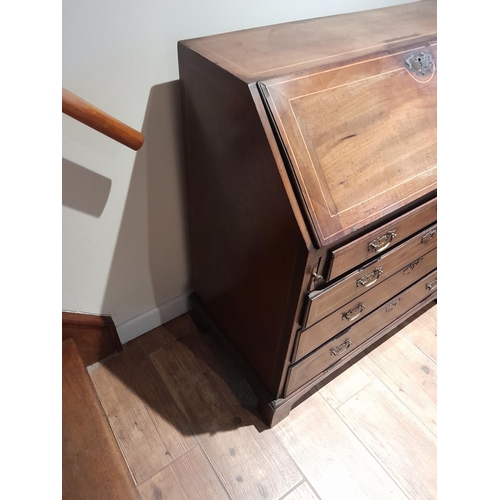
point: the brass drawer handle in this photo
(382, 242)
(410, 267)
(354, 312)
(340, 349)
(431, 285)
(394, 303)
(369, 279)
(429, 235)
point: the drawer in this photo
(382, 238)
(323, 302)
(360, 307)
(351, 338)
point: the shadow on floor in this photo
(189, 378)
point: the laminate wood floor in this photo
(185, 421)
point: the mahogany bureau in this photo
(310, 156)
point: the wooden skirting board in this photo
(95, 336)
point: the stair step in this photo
(92, 464)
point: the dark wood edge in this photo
(70, 345)
(205, 323)
(285, 171)
(101, 322)
(283, 158)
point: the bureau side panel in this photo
(248, 256)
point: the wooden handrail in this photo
(84, 112)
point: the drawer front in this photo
(324, 302)
(381, 239)
(360, 307)
(351, 338)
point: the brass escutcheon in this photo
(421, 64)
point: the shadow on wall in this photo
(83, 189)
(152, 240)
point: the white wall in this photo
(124, 231)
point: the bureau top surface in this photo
(270, 51)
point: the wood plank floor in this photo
(186, 423)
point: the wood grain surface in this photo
(191, 477)
(95, 336)
(357, 436)
(387, 428)
(334, 40)
(332, 352)
(353, 378)
(142, 444)
(328, 300)
(418, 334)
(302, 492)
(355, 253)
(250, 464)
(410, 373)
(361, 139)
(92, 464)
(334, 461)
(359, 308)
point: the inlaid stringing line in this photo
(411, 196)
(312, 60)
(348, 83)
(419, 81)
(310, 159)
(308, 154)
(302, 183)
(304, 186)
(343, 53)
(319, 183)
(389, 189)
(271, 84)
